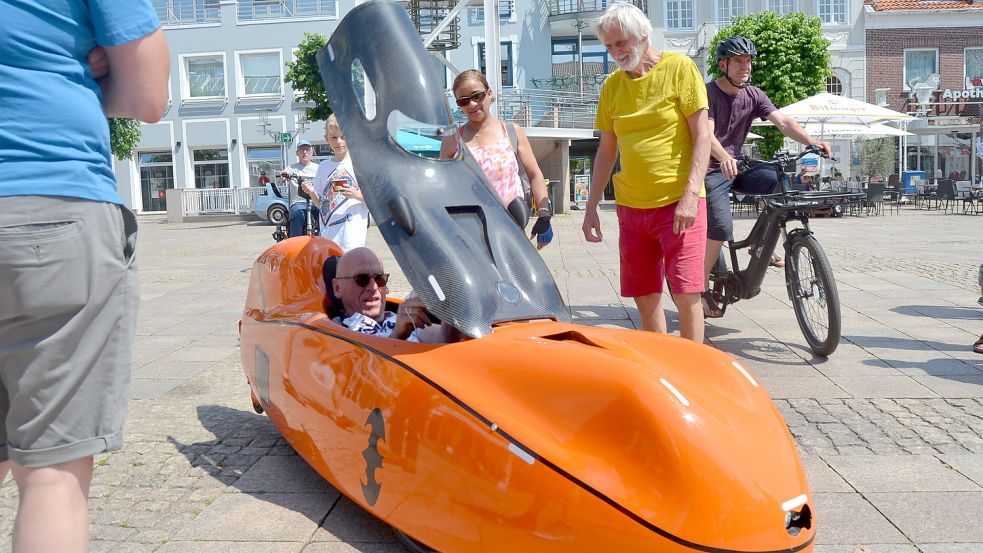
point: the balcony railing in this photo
(262, 10)
(545, 108)
(564, 7)
(206, 201)
(187, 12)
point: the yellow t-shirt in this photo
(648, 116)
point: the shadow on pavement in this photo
(939, 311)
(250, 455)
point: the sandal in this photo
(978, 346)
(712, 311)
(777, 261)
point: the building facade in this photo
(227, 69)
(926, 59)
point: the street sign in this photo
(282, 138)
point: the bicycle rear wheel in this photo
(809, 278)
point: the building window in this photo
(156, 176)
(506, 56)
(832, 12)
(211, 168)
(973, 64)
(596, 60)
(782, 7)
(834, 85)
(476, 16)
(679, 14)
(205, 76)
(260, 73)
(920, 65)
(729, 9)
(263, 162)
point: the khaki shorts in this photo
(68, 304)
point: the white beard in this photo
(634, 59)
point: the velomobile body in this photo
(533, 435)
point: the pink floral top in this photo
(500, 165)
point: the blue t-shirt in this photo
(54, 138)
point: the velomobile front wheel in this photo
(809, 278)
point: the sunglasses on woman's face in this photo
(362, 280)
(477, 97)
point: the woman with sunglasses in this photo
(488, 141)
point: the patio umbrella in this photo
(825, 108)
(842, 130)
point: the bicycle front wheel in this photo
(809, 278)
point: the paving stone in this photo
(847, 518)
(934, 517)
(968, 464)
(348, 522)
(899, 473)
(272, 517)
(284, 474)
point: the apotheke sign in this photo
(975, 93)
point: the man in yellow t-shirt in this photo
(653, 112)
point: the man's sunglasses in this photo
(477, 97)
(362, 280)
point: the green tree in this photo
(124, 135)
(305, 77)
(877, 156)
(792, 63)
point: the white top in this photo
(345, 221)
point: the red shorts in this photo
(652, 253)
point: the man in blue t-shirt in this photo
(68, 283)
(734, 104)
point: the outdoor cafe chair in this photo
(875, 198)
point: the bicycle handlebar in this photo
(783, 158)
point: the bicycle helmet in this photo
(735, 46)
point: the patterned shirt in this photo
(500, 165)
(367, 325)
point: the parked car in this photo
(271, 203)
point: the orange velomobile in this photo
(534, 435)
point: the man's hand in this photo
(825, 148)
(307, 188)
(410, 315)
(98, 62)
(729, 168)
(592, 226)
(685, 216)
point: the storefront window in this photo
(156, 176)
(263, 162)
(211, 168)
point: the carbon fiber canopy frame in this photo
(458, 246)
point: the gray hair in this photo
(627, 17)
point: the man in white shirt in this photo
(298, 204)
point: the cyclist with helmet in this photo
(734, 104)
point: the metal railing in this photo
(548, 108)
(261, 10)
(563, 7)
(207, 201)
(187, 12)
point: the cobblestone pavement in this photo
(890, 427)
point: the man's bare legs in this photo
(53, 510)
(713, 252)
(652, 313)
(690, 314)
